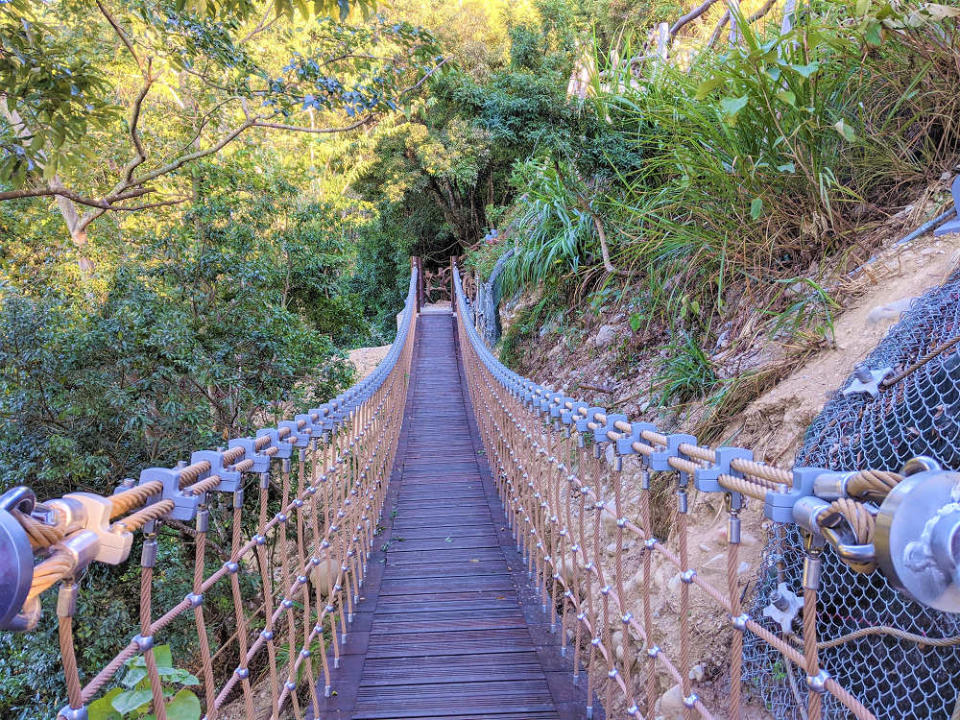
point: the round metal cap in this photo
(917, 537)
(16, 556)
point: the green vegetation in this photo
(132, 699)
(204, 203)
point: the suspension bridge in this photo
(448, 539)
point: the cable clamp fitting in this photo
(229, 479)
(261, 462)
(660, 458)
(184, 505)
(299, 436)
(601, 434)
(625, 444)
(284, 449)
(779, 504)
(583, 423)
(707, 479)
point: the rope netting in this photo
(865, 622)
(297, 556)
(567, 505)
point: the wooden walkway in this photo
(448, 626)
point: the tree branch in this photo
(54, 191)
(120, 32)
(690, 16)
(724, 19)
(261, 26)
(134, 131)
(426, 77)
(762, 11)
(315, 131)
(190, 157)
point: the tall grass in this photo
(761, 160)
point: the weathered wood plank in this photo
(443, 632)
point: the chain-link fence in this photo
(901, 657)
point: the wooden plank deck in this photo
(448, 626)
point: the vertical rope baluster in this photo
(234, 571)
(200, 549)
(734, 502)
(148, 560)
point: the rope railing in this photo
(558, 465)
(297, 556)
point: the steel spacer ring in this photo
(69, 713)
(691, 700)
(242, 673)
(654, 651)
(143, 642)
(195, 599)
(740, 621)
(818, 682)
(687, 576)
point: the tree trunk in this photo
(78, 233)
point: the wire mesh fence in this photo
(901, 654)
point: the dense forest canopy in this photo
(204, 203)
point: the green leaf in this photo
(134, 675)
(807, 70)
(102, 709)
(874, 34)
(940, 12)
(787, 97)
(184, 706)
(756, 208)
(731, 107)
(863, 6)
(708, 86)
(131, 700)
(177, 675)
(163, 656)
(636, 322)
(787, 167)
(845, 130)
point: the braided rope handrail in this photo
(565, 505)
(305, 562)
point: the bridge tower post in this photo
(416, 264)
